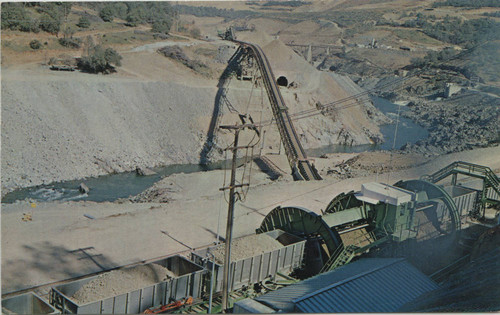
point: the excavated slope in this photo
(56, 129)
(353, 125)
(62, 126)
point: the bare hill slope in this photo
(73, 128)
(154, 111)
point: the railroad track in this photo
(302, 168)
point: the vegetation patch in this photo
(49, 16)
(176, 53)
(208, 52)
(83, 22)
(482, 61)
(100, 60)
(228, 14)
(415, 36)
(467, 3)
(35, 44)
(492, 14)
(293, 3)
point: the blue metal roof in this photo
(367, 285)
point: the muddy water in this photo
(407, 131)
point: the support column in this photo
(309, 54)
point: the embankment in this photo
(71, 127)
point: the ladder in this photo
(345, 255)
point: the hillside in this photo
(69, 126)
(152, 110)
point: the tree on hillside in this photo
(13, 14)
(68, 40)
(83, 22)
(162, 26)
(107, 14)
(30, 25)
(113, 57)
(101, 60)
(16, 17)
(35, 44)
(53, 9)
(136, 15)
(50, 24)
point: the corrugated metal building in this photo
(367, 285)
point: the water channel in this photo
(122, 185)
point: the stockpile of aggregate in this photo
(248, 246)
(119, 282)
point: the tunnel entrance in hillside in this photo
(282, 81)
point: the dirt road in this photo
(60, 242)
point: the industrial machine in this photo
(355, 222)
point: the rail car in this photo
(351, 224)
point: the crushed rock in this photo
(248, 246)
(119, 282)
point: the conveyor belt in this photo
(301, 166)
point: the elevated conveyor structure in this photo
(490, 191)
(302, 168)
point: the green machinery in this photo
(355, 222)
(488, 194)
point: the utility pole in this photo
(230, 213)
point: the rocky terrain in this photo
(248, 246)
(76, 125)
(159, 109)
(460, 123)
(122, 281)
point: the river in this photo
(408, 131)
(122, 185)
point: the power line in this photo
(396, 83)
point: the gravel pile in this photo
(118, 282)
(247, 247)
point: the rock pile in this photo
(456, 126)
(118, 282)
(249, 246)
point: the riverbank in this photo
(154, 112)
(69, 239)
(76, 126)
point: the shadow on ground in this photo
(218, 103)
(47, 262)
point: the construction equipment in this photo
(355, 222)
(169, 307)
(302, 167)
(228, 34)
(488, 194)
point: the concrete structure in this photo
(451, 89)
(28, 303)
